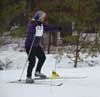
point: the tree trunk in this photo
(49, 44)
(54, 40)
(77, 53)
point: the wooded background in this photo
(79, 19)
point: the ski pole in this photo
(26, 60)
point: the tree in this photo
(8, 10)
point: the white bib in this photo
(39, 31)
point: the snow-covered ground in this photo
(73, 86)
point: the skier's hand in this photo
(59, 28)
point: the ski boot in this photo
(29, 80)
(41, 75)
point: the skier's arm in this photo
(31, 30)
(51, 28)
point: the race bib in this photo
(39, 31)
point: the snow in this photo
(72, 87)
(86, 87)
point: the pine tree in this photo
(8, 10)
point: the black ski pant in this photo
(35, 52)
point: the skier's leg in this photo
(32, 61)
(30, 66)
(41, 57)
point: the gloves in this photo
(59, 28)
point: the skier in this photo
(36, 27)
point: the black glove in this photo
(59, 28)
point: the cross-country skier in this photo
(36, 27)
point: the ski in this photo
(38, 83)
(52, 79)
(67, 77)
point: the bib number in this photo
(39, 31)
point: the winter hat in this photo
(38, 15)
